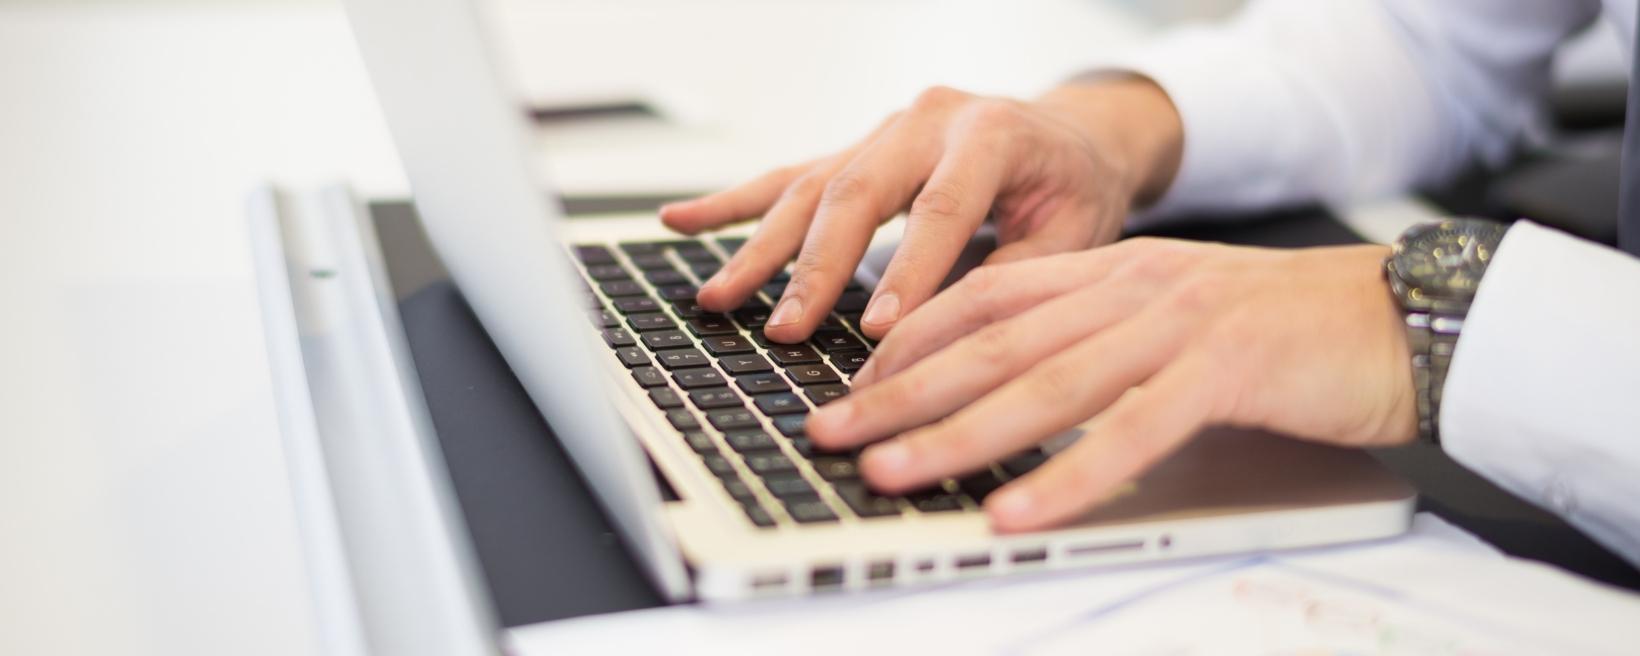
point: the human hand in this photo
(1057, 174)
(1152, 340)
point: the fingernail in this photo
(884, 309)
(1013, 504)
(790, 310)
(888, 457)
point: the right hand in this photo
(1055, 175)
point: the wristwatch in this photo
(1433, 272)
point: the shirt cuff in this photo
(1543, 394)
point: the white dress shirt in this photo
(1346, 100)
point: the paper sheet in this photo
(1435, 590)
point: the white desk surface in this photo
(142, 495)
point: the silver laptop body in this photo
(464, 142)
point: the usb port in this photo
(880, 572)
(977, 560)
(823, 578)
(1030, 555)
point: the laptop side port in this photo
(973, 561)
(880, 572)
(826, 578)
(1030, 556)
(1103, 548)
(769, 581)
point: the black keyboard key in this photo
(832, 340)
(727, 344)
(704, 270)
(790, 354)
(665, 339)
(790, 425)
(758, 515)
(682, 420)
(781, 276)
(738, 489)
(979, 485)
(688, 309)
(932, 502)
(745, 441)
(719, 465)
(651, 321)
(849, 361)
(788, 485)
(732, 418)
(852, 319)
(618, 288)
(605, 319)
(775, 289)
(682, 358)
(607, 272)
(769, 462)
(865, 502)
(635, 304)
(854, 301)
(698, 377)
(700, 442)
(823, 394)
(592, 254)
(659, 277)
(648, 376)
(779, 403)
(652, 262)
(1023, 463)
(754, 314)
(634, 248)
(812, 374)
(665, 398)
(745, 363)
(708, 398)
(836, 468)
(677, 292)
(695, 252)
(615, 338)
(762, 383)
(802, 446)
(632, 356)
(809, 510)
(731, 245)
(707, 325)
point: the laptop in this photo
(596, 317)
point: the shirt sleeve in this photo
(1543, 395)
(1297, 101)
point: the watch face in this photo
(1447, 259)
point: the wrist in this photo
(1129, 117)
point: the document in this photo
(1434, 591)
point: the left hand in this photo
(1152, 340)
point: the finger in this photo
(870, 189)
(945, 382)
(1066, 230)
(944, 215)
(984, 296)
(781, 232)
(1054, 395)
(1141, 428)
(747, 200)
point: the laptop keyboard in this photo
(739, 401)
